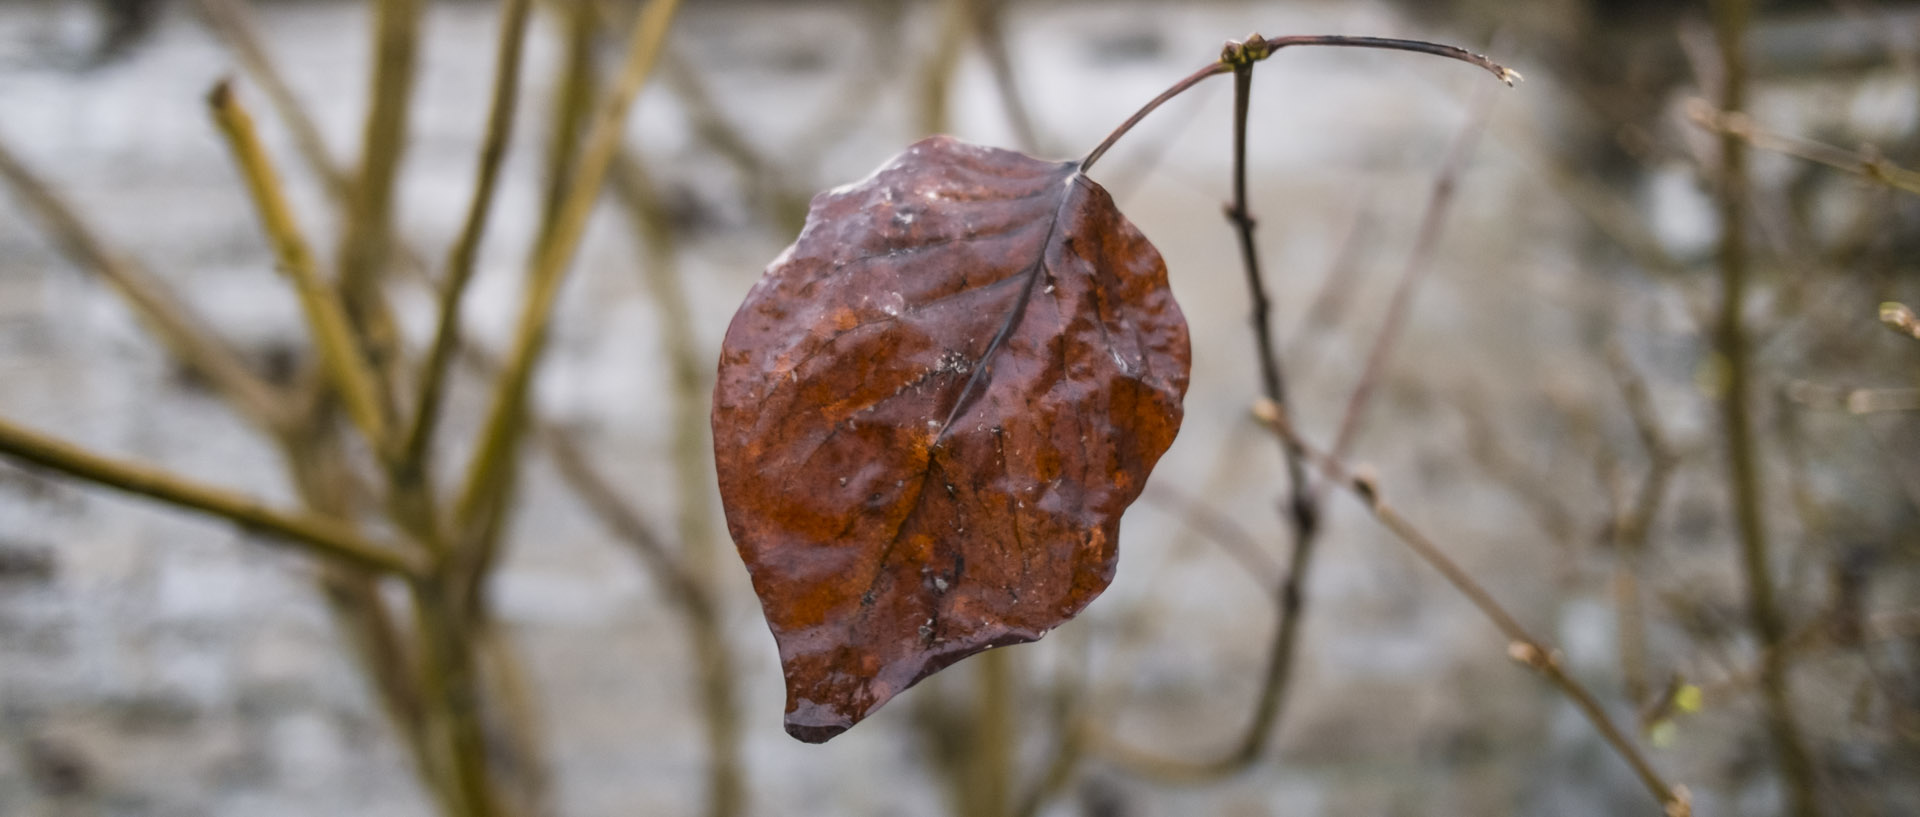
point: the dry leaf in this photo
(932, 411)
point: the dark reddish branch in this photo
(1503, 73)
(1303, 505)
(1256, 48)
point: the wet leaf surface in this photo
(931, 412)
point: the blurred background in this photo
(1551, 414)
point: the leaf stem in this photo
(1211, 69)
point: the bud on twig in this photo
(1900, 319)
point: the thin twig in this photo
(1743, 456)
(489, 476)
(1303, 508)
(367, 242)
(1256, 48)
(1331, 301)
(1239, 58)
(233, 23)
(1524, 648)
(413, 466)
(1867, 163)
(1631, 530)
(692, 454)
(326, 316)
(990, 29)
(164, 314)
(1221, 529)
(1899, 318)
(1419, 265)
(1302, 519)
(321, 536)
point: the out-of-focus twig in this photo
(1853, 401)
(1530, 485)
(325, 314)
(1899, 318)
(489, 475)
(990, 29)
(1333, 299)
(412, 468)
(1523, 648)
(714, 669)
(1743, 456)
(937, 73)
(1631, 530)
(233, 22)
(1866, 163)
(764, 179)
(1810, 642)
(1419, 265)
(153, 303)
(367, 243)
(691, 456)
(571, 104)
(321, 536)
(1221, 529)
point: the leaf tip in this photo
(811, 722)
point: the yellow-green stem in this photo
(321, 536)
(183, 332)
(413, 470)
(326, 316)
(1743, 457)
(367, 243)
(493, 458)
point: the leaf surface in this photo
(931, 412)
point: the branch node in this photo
(1268, 412)
(1530, 654)
(1898, 317)
(1366, 483)
(1680, 804)
(1240, 53)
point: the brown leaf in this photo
(932, 411)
